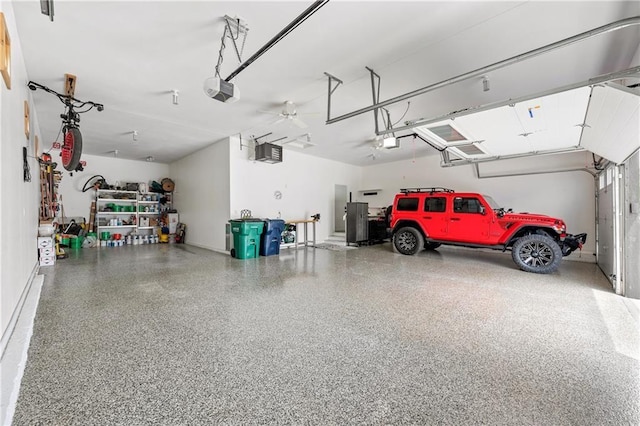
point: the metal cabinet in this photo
(357, 222)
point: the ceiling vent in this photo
(447, 133)
(444, 135)
(471, 150)
(269, 153)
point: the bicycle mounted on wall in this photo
(71, 149)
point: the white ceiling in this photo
(129, 56)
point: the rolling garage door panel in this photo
(632, 227)
(613, 123)
(605, 224)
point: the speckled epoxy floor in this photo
(174, 334)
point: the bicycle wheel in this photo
(71, 148)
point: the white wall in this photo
(78, 203)
(568, 195)
(202, 194)
(18, 199)
(307, 185)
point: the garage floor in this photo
(172, 335)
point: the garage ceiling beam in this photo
(614, 26)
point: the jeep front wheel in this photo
(408, 240)
(537, 253)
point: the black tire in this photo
(71, 149)
(537, 253)
(408, 240)
(431, 246)
(233, 252)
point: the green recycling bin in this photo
(246, 237)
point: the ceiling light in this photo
(390, 142)
(174, 96)
(445, 136)
(485, 84)
(150, 158)
(301, 142)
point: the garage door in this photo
(631, 209)
(612, 124)
(605, 224)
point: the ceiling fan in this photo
(373, 143)
(289, 113)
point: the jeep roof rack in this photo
(429, 190)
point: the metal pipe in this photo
(282, 34)
(508, 157)
(497, 65)
(578, 169)
(376, 99)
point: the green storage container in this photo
(246, 237)
(75, 242)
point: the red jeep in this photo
(428, 217)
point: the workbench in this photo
(302, 233)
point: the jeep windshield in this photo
(492, 202)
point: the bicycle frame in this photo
(72, 141)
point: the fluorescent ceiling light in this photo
(298, 143)
(301, 142)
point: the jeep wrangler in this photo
(425, 218)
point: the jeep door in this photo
(469, 221)
(434, 217)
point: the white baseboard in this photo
(14, 358)
(16, 312)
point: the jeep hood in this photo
(521, 216)
(529, 217)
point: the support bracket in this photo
(331, 88)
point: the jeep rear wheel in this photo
(537, 253)
(408, 240)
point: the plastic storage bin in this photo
(270, 240)
(246, 237)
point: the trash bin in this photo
(270, 240)
(246, 237)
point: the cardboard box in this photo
(173, 220)
(49, 251)
(45, 242)
(48, 261)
